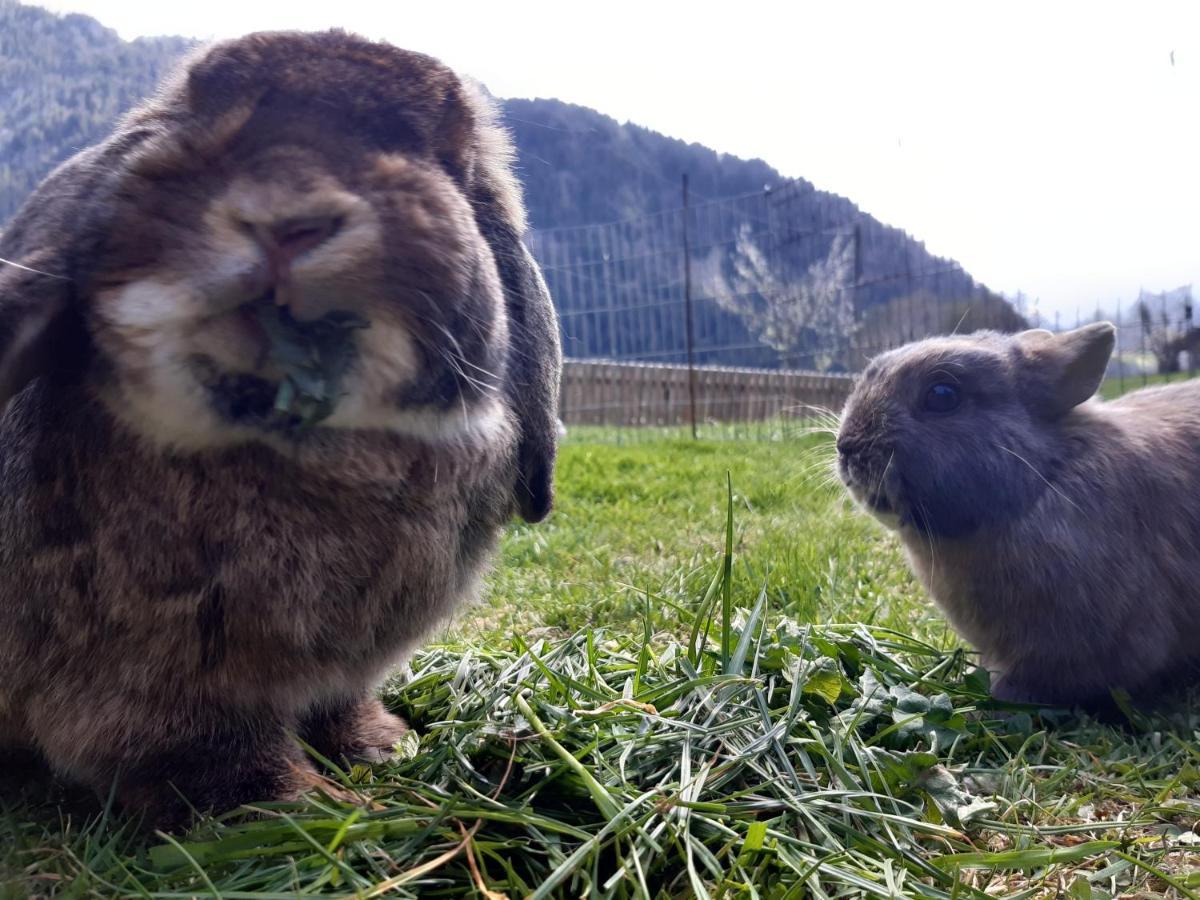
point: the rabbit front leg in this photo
(228, 770)
(353, 729)
(1053, 682)
(168, 767)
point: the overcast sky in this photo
(1050, 147)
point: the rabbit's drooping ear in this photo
(534, 364)
(35, 334)
(1066, 369)
(534, 361)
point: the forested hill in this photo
(581, 167)
(64, 80)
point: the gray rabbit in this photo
(278, 368)
(1058, 533)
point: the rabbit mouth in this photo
(305, 361)
(242, 398)
(886, 511)
(880, 506)
(880, 503)
(855, 478)
(245, 399)
(876, 500)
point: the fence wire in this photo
(774, 288)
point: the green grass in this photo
(648, 517)
(1115, 387)
(660, 699)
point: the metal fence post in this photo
(1120, 362)
(1144, 315)
(1189, 332)
(687, 301)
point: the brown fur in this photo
(356, 729)
(1057, 533)
(183, 589)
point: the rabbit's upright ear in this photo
(1066, 369)
(36, 334)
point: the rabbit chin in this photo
(882, 508)
(165, 375)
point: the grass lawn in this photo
(1115, 387)
(660, 699)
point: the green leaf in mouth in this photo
(314, 357)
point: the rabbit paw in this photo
(355, 731)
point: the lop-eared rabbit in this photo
(277, 369)
(1058, 533)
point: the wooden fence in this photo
(634, 394)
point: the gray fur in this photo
(1057, 533)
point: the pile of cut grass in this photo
(712, 745)
(766, 760)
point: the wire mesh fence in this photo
(756, 309)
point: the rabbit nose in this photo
(847, 446)
(287, 239)
(284, 240)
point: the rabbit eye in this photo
(942, 398)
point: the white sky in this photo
(1050, 147)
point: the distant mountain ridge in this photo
(581, 167)
(64, 80)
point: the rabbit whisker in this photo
(819, 427)
(456, 371)
(462, 402)
(516, 348)
(478, 368)
(455, 363)
(963, 318)
(875, 439)
(883, 475)
(458, 359)
(924, 510)
(828, 482)
(17, 265)
(1047, 481)
(818, 464)
(480, 327)
(944, 373)
(454, 358)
